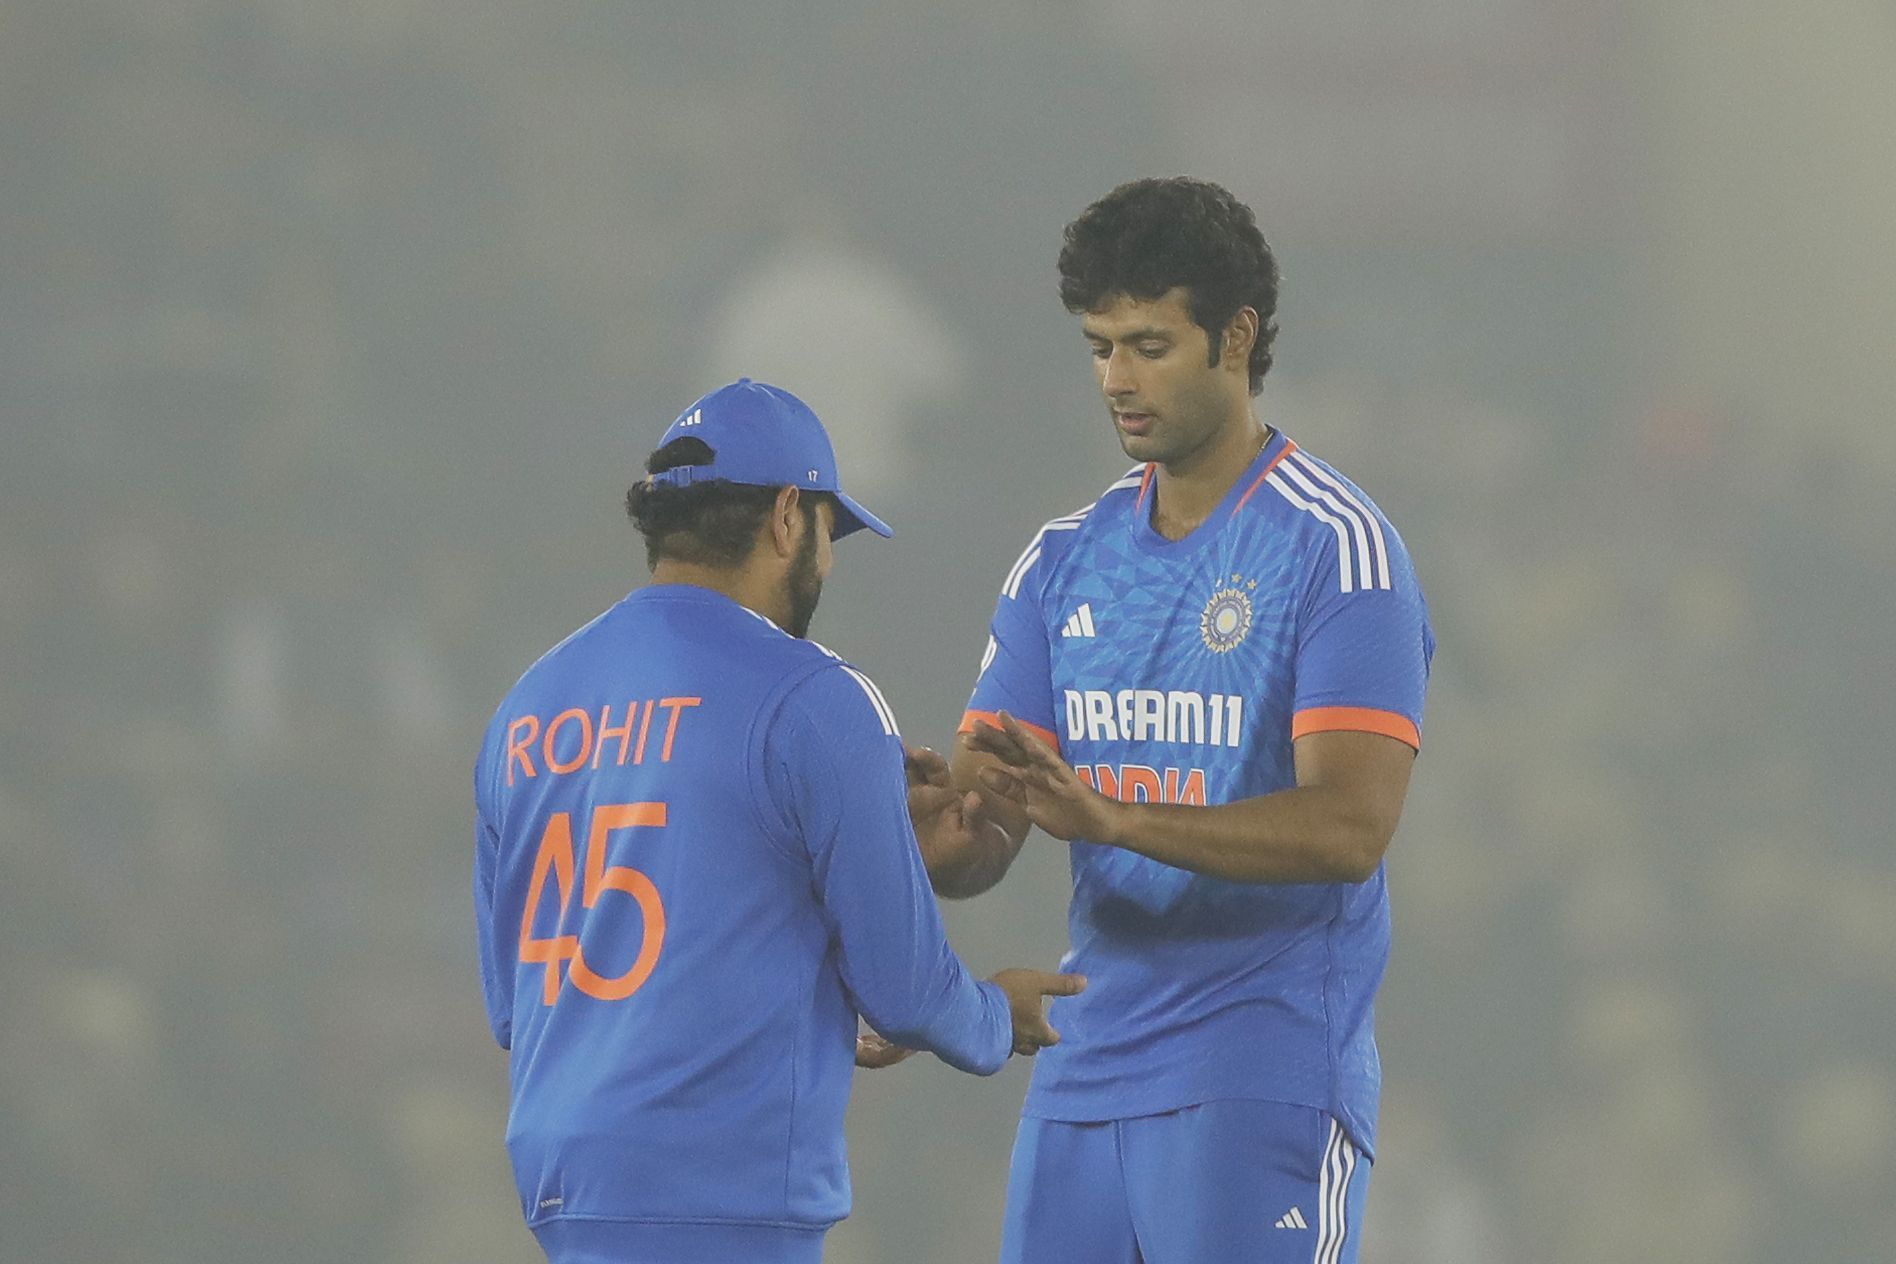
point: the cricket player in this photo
(695, 867)
(1210, 681)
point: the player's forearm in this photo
(968, 1028)
(904, 978)
(1306, 834)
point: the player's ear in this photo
(786, 521)
(1240, 335)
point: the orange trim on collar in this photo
(1289, 447)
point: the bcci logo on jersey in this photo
(1226, 619)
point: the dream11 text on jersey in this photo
(1176, 716)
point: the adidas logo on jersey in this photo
(1081, 622)
(1293, 1219)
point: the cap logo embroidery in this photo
(696, 417)
(812, 476)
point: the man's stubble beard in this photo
(1163, 448)
(1179, 434)
(803, 587)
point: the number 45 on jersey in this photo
(556, 857)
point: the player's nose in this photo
(1116, 378)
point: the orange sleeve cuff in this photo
(1355, 720)
(994, 717)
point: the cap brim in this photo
(854, 518)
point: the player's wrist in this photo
(1117, 821)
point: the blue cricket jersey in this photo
(1181, 672)
(694, 867)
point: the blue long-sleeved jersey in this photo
(694, 867)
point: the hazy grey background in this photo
(330, 334)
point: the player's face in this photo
(808, 569)
(1153, 364)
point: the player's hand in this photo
(873, 1052)
(956, 831)
(1027, 991)
(925, 767)
(944, 818)
(1036, 777)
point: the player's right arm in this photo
(1017, 677)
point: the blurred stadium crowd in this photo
(331, 335)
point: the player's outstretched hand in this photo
(1027, 991)
(1046, 785)
(873, 1052)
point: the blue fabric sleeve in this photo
(496, 959)
(1363, 655)
(833, 773)
(1016, 668)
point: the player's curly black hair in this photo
(1148, 236)
(707, 524)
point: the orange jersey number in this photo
(556, 857)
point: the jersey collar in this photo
(1275, 449)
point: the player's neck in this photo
(751, 586)
(1187, 490)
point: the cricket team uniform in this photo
(694, 869)
(1214, 1094)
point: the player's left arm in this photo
(1361, 672)
(1333, 826)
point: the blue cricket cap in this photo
(764, 436)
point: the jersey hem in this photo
(1032, 1110)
